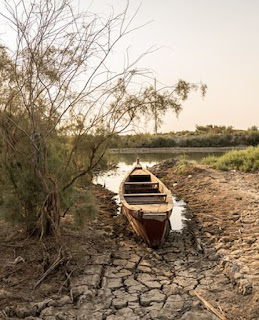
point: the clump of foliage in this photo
(243, 160)
(85, 209)
(184, 166)
(214, 129)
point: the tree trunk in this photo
(50, 215)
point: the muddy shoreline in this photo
(207, 272)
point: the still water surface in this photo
(112, 178)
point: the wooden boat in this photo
(147, 203)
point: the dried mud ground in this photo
(208, 271)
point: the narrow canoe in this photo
(147, 204)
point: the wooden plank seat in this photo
(145, 198)
(145, 194)
(139, 177)
(147, 201)
(140, 190)
(141, 187)
(142, 183)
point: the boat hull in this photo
(147, 204)
(153, 231)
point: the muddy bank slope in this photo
(208, 271)
(225, 207)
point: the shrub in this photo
(243, 160)
(85, 209)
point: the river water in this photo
(111, 179)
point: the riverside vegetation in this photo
(207, 272)
(243, 160)
(203, 136)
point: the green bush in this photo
(85, 209)
(209, 136)
(243, 160)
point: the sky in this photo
(214, 42)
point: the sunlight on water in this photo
(112, 179)
(177, 218)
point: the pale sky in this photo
(216, 42)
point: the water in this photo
(155, 157)
(112, 179)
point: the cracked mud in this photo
(203, 272)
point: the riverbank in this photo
(177, 150)
(209, 271)
(225, 207)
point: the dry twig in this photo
(57, 262)
(209, 306)
(68, 275)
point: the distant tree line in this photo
(203, 136)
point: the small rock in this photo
(42, 304)
(144, 269)
(114, 317)
(4, 294)
(65, 300)
(86, 280)
(127, 313)
(82, 291)
(93, 269)
(131, 282)
(199, 315)
(120, 303)
(64, 315)
(173, 303)
(50, 311)
(245, 287)
(138, 288)
(101, 259)
(151, 296)
(113, 283)
(23, 312)
(152, 284)
(19, 259)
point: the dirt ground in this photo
(209, 271)
(24, 261)
(225, 207)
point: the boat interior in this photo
(140, 189)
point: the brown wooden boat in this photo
(147, 203)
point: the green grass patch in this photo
(184, 165)
(243, 160)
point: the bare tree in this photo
(59, 82)
(57, 92)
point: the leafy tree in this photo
(153, 103)
(157, 102)
(55, 96)
(60, 103)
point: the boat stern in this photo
(157, 227)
